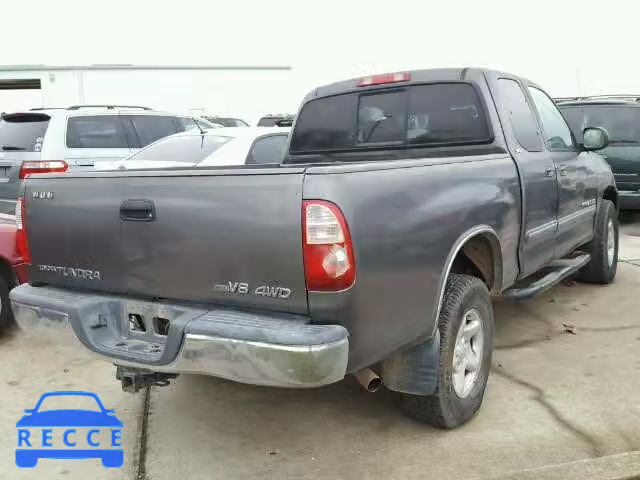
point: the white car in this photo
(219, 147)
(74, 138)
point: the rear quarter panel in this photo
(405, 218)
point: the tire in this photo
(602, 269)
(449, 407)
(6, 315)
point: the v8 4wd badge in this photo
(242, 288)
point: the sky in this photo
(569, 47)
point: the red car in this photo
(13, 270)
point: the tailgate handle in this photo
(138, 210)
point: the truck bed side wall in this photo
(404, 222)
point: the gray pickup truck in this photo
(404, 203)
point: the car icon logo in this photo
(69, 433)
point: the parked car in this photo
(217, 147)
(619, 115)
(227, 121)
(61, 139)
(279, 120)
(13, 270)
(405, 202)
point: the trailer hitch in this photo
(134, 379)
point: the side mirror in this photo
(595, 138)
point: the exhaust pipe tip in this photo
(374, 385)
(369, 380)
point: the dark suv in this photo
(619, 115)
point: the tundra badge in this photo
(71, 272)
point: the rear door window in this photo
(420, 115)
(269, 149)
(96, 131)
(150, 128)
(23, 132)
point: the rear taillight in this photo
(384, 78)
(37, 166)
(21, 232)
(329, 263)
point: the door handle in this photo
(138, 211)
(85, 163)
(549, 171)
(562, 170)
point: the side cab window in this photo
(523, 122)
(557, 134)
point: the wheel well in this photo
(610, 193)
(480, 257)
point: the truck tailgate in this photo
(221, 236)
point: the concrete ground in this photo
(562, 403)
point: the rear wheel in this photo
(466, 343)
(603, 248)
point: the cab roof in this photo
(460, 74)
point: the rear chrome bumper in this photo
(629, 200)
(282, 351)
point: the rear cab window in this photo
(422, 115)
(23, 132)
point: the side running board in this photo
(546, 278)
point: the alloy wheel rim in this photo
(467, 353)
(611, 242)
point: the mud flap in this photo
(415, 370)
